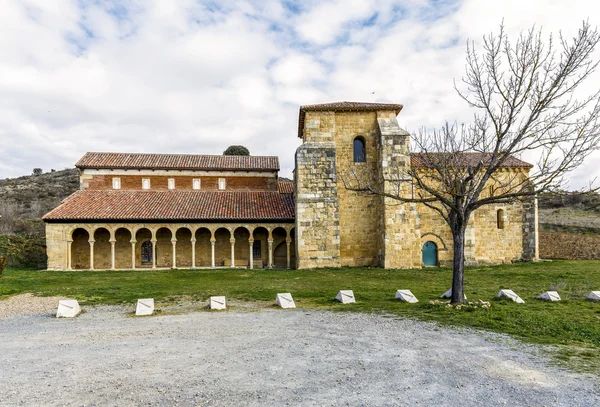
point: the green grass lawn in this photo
(573, 324)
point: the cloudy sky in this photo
(187, 76)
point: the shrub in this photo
(37, 171)
(236, 150)
(3, 263)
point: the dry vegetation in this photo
(23, 201)
(570, 212)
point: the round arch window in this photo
(360, 151)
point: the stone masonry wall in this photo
(359, 213)
(317, 211)
(400, 222)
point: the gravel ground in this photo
(271, 357)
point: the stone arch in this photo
(142, 235)
(184, 246)
(261, 235)
(435, 239)
(203, 237)
(164, 247)
(242, 235)
(222, 235)
(102, 248)
(123, 237)
(80, 249)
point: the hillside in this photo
(570, 213)
(24, 200)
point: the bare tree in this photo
(525, 102)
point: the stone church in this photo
(136, 211)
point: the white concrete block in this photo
(145, 306)
(510, 294)
(448, 294)
(549, 296)
(217, 303)
(285, 300)
(345, 297)
(594, 295)
(68, 309)
(406, 295)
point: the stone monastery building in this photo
(191, 211)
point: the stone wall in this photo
(317, 211)
(568, 246)
(400, 223)
(359, 213)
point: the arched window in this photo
(500, 218)
(360, 153)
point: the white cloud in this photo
(193, 76)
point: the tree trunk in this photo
(458, 271)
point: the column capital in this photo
(113, 240)
(232, 240)
(153, 241)
(270, 240)
(193, 240)
(288, 241)
(133, 241)
(91, 241)
(213, 240)
(251, 241)
(173, 240)
(69, 241)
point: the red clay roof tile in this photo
(174, 205)
(177, 162)
(469, 158)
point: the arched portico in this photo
(147, 245)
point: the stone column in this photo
(69, 242)
(193, 253)
(270, 244)
(153, 241)
(91, 242)
(288, 243)
(232, 241)
(174, 243)
(112, 253)
(251, 254)
(536, 256)
(212, 250)
(133, 242)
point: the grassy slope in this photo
(573, 324)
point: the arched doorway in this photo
(430, 254)
(147, 253)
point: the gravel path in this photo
(271, 357)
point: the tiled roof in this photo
(174, 205)
(422, 159)
(286, 187)
(177, 162)
(344, 107)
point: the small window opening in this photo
(360, 154)
(222, 183)
(145, 183)
(196, 183)
(116, 183)
(500, 218)
(171, 182)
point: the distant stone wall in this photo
(568, 246)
